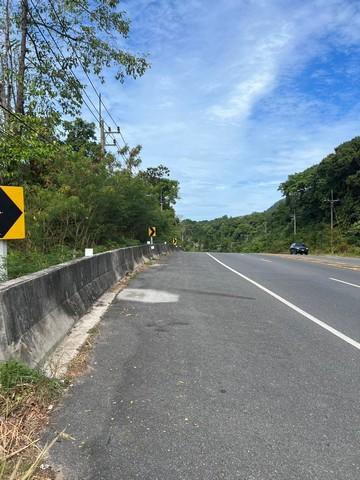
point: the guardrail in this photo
(38, 310)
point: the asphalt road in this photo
(248, 369)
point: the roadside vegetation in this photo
(53, 61)
(26, 399)
(308, 195)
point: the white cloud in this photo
(258, 73)
(229, 104)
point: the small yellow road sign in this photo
(174, 241)
(12, 218)
(152, 231)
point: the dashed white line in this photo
(346, 283)
(318, 322)
(265, 260)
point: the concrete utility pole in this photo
(101, 127)
(104, 133)
(293, 216)
(111, 132)
(161, 199)
(332, 202)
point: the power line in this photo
(73, 74)
(87, 74)
(112, 118)
(90, 80)
(57, 59)
(29, 127)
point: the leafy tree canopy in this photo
(46, 42)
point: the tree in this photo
(81, 136)
(132, 158)
(46, 41)
(165, 189)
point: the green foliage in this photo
(15, 375)
(76, 197)
(22, 261)
(27, 150)
(308, 193)
(59, 38)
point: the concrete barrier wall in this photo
(38, 310)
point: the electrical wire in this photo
(73, 74)
(59, 62)
(87, 74)
(13, 114)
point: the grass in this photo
(26, 399)
(23, 262)
(23, 259)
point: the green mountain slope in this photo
(307, 196)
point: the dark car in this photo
(300, 248)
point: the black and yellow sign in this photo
(152, 231)
(12, 218)
(174, 241)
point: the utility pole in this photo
(111, 132)
(293, 216)
(103, 133)
(265, 227)
(101, 127)
(161, 199)
(332, 201)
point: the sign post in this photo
(12, 221)
(3, 260)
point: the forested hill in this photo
(308, 195)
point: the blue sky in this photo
(241, 93)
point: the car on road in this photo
(300, 248)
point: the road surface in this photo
(222, 366)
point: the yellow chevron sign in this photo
(12, 218)
(152, 231)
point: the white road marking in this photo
(318, 322)
(265, 260)
(346, 283)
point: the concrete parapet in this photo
(38, 310)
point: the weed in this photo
(26, 397)
(13, 373)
